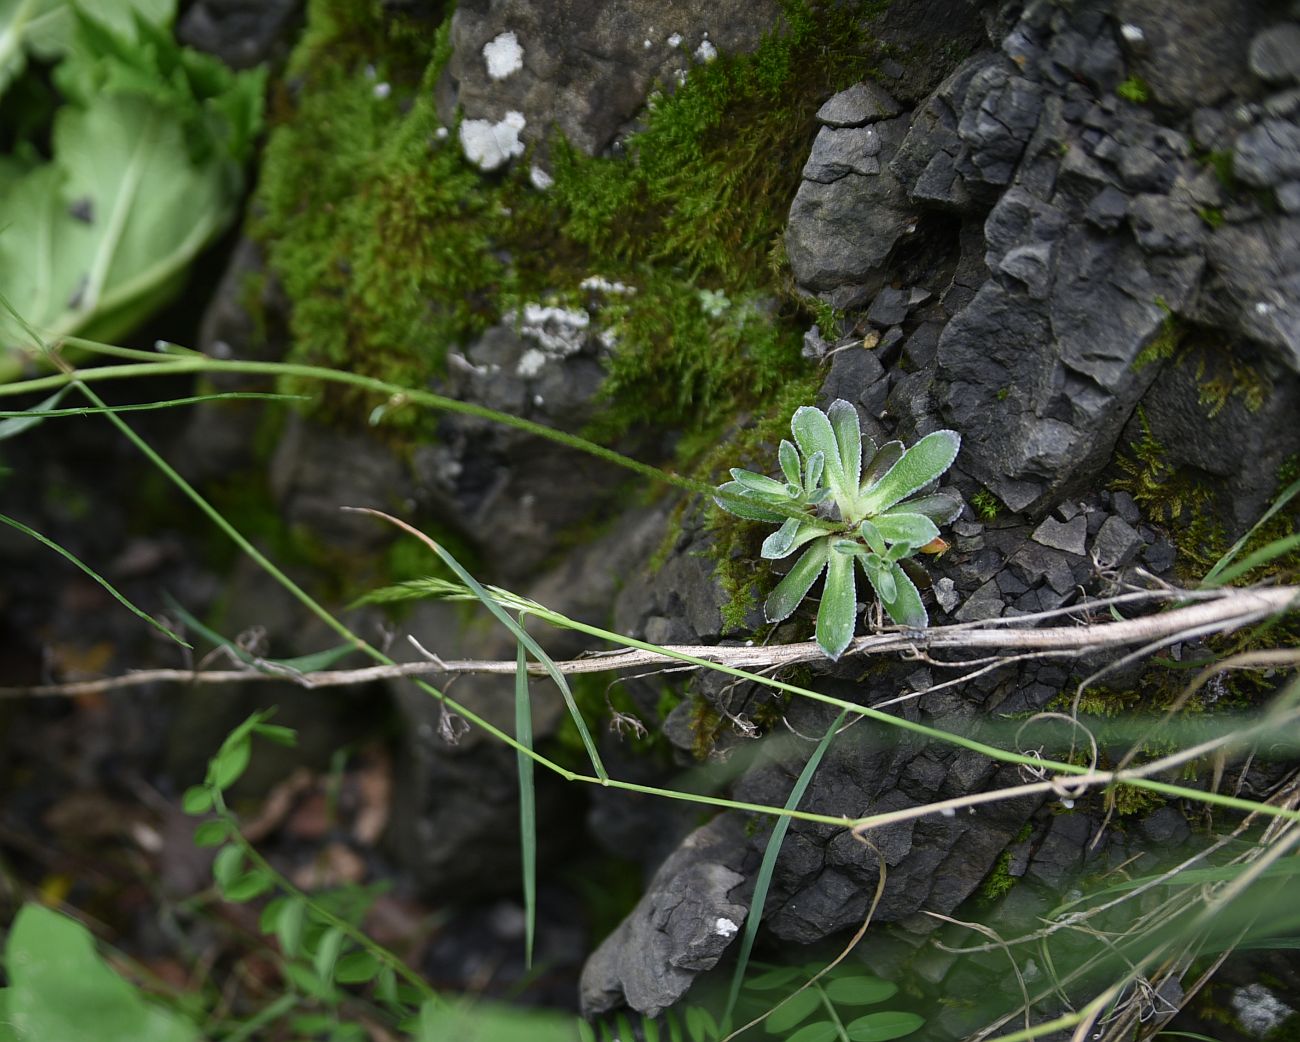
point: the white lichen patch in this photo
(600, 284)
(705, 52)
(503, 55)
(675, 40)
(725, 928)
(557, 333)
(539, 178)
(491, 145)
(1258, 1010)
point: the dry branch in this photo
(1219, 611)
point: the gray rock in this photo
(839, 152)
(841, 233)
(1107, 209)
(985, 603)
(1116, 544)
(1288, 197)
(1163, 225)
(999, 115)
(1275, 54)
(1035, 563)
(889, 308)
(687, 918)
(1057, 861)
(1126, 507)
(1070, 537)
(242, 33)
(861, 104)
(1191, 54)
(1268, 154)
(582, 67)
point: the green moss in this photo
(1134, 89)
(986, 504)
(1211, 215)
(999, 881)
(1164, 345)
(705, 726)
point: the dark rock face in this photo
(242, 33)
(582, 67)
(1033, 255)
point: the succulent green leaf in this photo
(881, 576)
(899, 551)
(914, 529)
(885, 457)
(872, 537)
(783, 600)
(813, 431)
(838, 611)
(790, 466)
(813, 474)
(917, 467)
(939, 507)
(848, 437)
(848, 546)
(788, 538)
(733, 498)
(904, 604)
(758, 482)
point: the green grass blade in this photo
(1277, 548)
(527, 801)
(18, 420)
(1214, 576)
(46, 411)
(518, 632)
(763, 881)
(94, 575)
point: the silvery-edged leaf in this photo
(881, 576)
(790, 467)
(917, 467)
(733, 499)
(783, 600)
(758, 482)
(812, 478)
(872, 537)
(848, 438)
(939, 507)
(838, 611)
(789, 537)
(884, 457)
(916, 529)
(817, 496)
(794, 491)
(848, 546)
(905, 606)
(899, 551)
(813, 433)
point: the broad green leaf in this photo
(784, 975)
(817, 1031)
(327, 953)
(61, 991)
(872, 537)
(905, 606)
(288, 925)
(230, 762)
(813, 432)
(939, 507)
(227, 865)
(783, 600)
(212, 833)
(923, 463)
(880, 1027)
(248, 886)
(885, 457)
(797, 1009)
(197, 800)
(356, 968)
(913, 529)
(848, 437)
(700, 1025)
(837, 614)
(733, 500)
(277, 734)
(860, 991)
(790, 466)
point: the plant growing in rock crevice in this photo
(843, 511)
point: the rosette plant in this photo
(839, 511)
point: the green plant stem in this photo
(189, 364)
